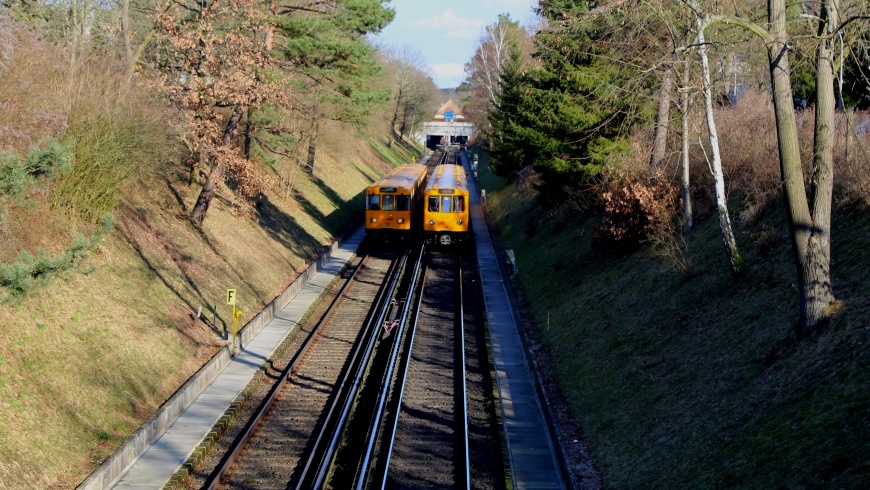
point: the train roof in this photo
(403, 177)
(447, 176)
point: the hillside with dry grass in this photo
(102, 271)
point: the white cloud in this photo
(522, 9)
(509, 4)
(448, 74)
(451, 25)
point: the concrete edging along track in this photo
(113, 469)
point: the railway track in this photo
(273, 450)
(430, 445)
(393, 388)
(332, 424)
(414, 423)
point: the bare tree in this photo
(406, 65)
(660, 142)
(809, 213)
(685, 188)
(731, 252)
(487, 65)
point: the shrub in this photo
(36, 269)
(635, 209)
(13, 174)
(118, 135)
(49, 160)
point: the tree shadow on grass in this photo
(205, 238)
(337, 220)
(365, 171)
(180, 259)
(284, 229)
(330, 194)
(405, 144)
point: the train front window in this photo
(389, 202)
(458, 204)
(373, 202)
(445, 204)
(432, 206)
(403, 203)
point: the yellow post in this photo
(236, 315)
(231, 300)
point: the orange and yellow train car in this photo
(445, 213)
(393, 201)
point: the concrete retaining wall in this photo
(114, 467)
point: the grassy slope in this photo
(86, 359)
(699, 383)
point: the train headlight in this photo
(459, 222)
(374, 220)
(431, 221)
(400, 220)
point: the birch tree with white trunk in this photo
(808, 204)
(728, 240)
(486, 67)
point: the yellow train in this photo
(445, 206)
(393, 201)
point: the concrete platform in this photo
(533, 460)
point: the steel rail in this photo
(394, 358)
(466, 462)
(464, 392)
(404, 373)
(321, 457)
(250, 427)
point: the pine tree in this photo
(331, 60)
(565, 117)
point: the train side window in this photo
(403, 203)
(373, 202)
(445, 204)
(433, 204)
(389, 202)
(458, 204)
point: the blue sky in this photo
(446, 31)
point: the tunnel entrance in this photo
(435, 140)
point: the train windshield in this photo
(445, 204)
(403, 203)
(458, 204)
(389, 202)
(373, 202)
(432, 205)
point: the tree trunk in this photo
(217, 170)
(395, 119)
(404, 126)
(194, 164)
(660, 145)
(128, 35)
(685, 189)
(820, 294)
(810, 233)
(312, 144)
(249, 133)
(731, 252)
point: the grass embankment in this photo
(85, 359)
(700, 382)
